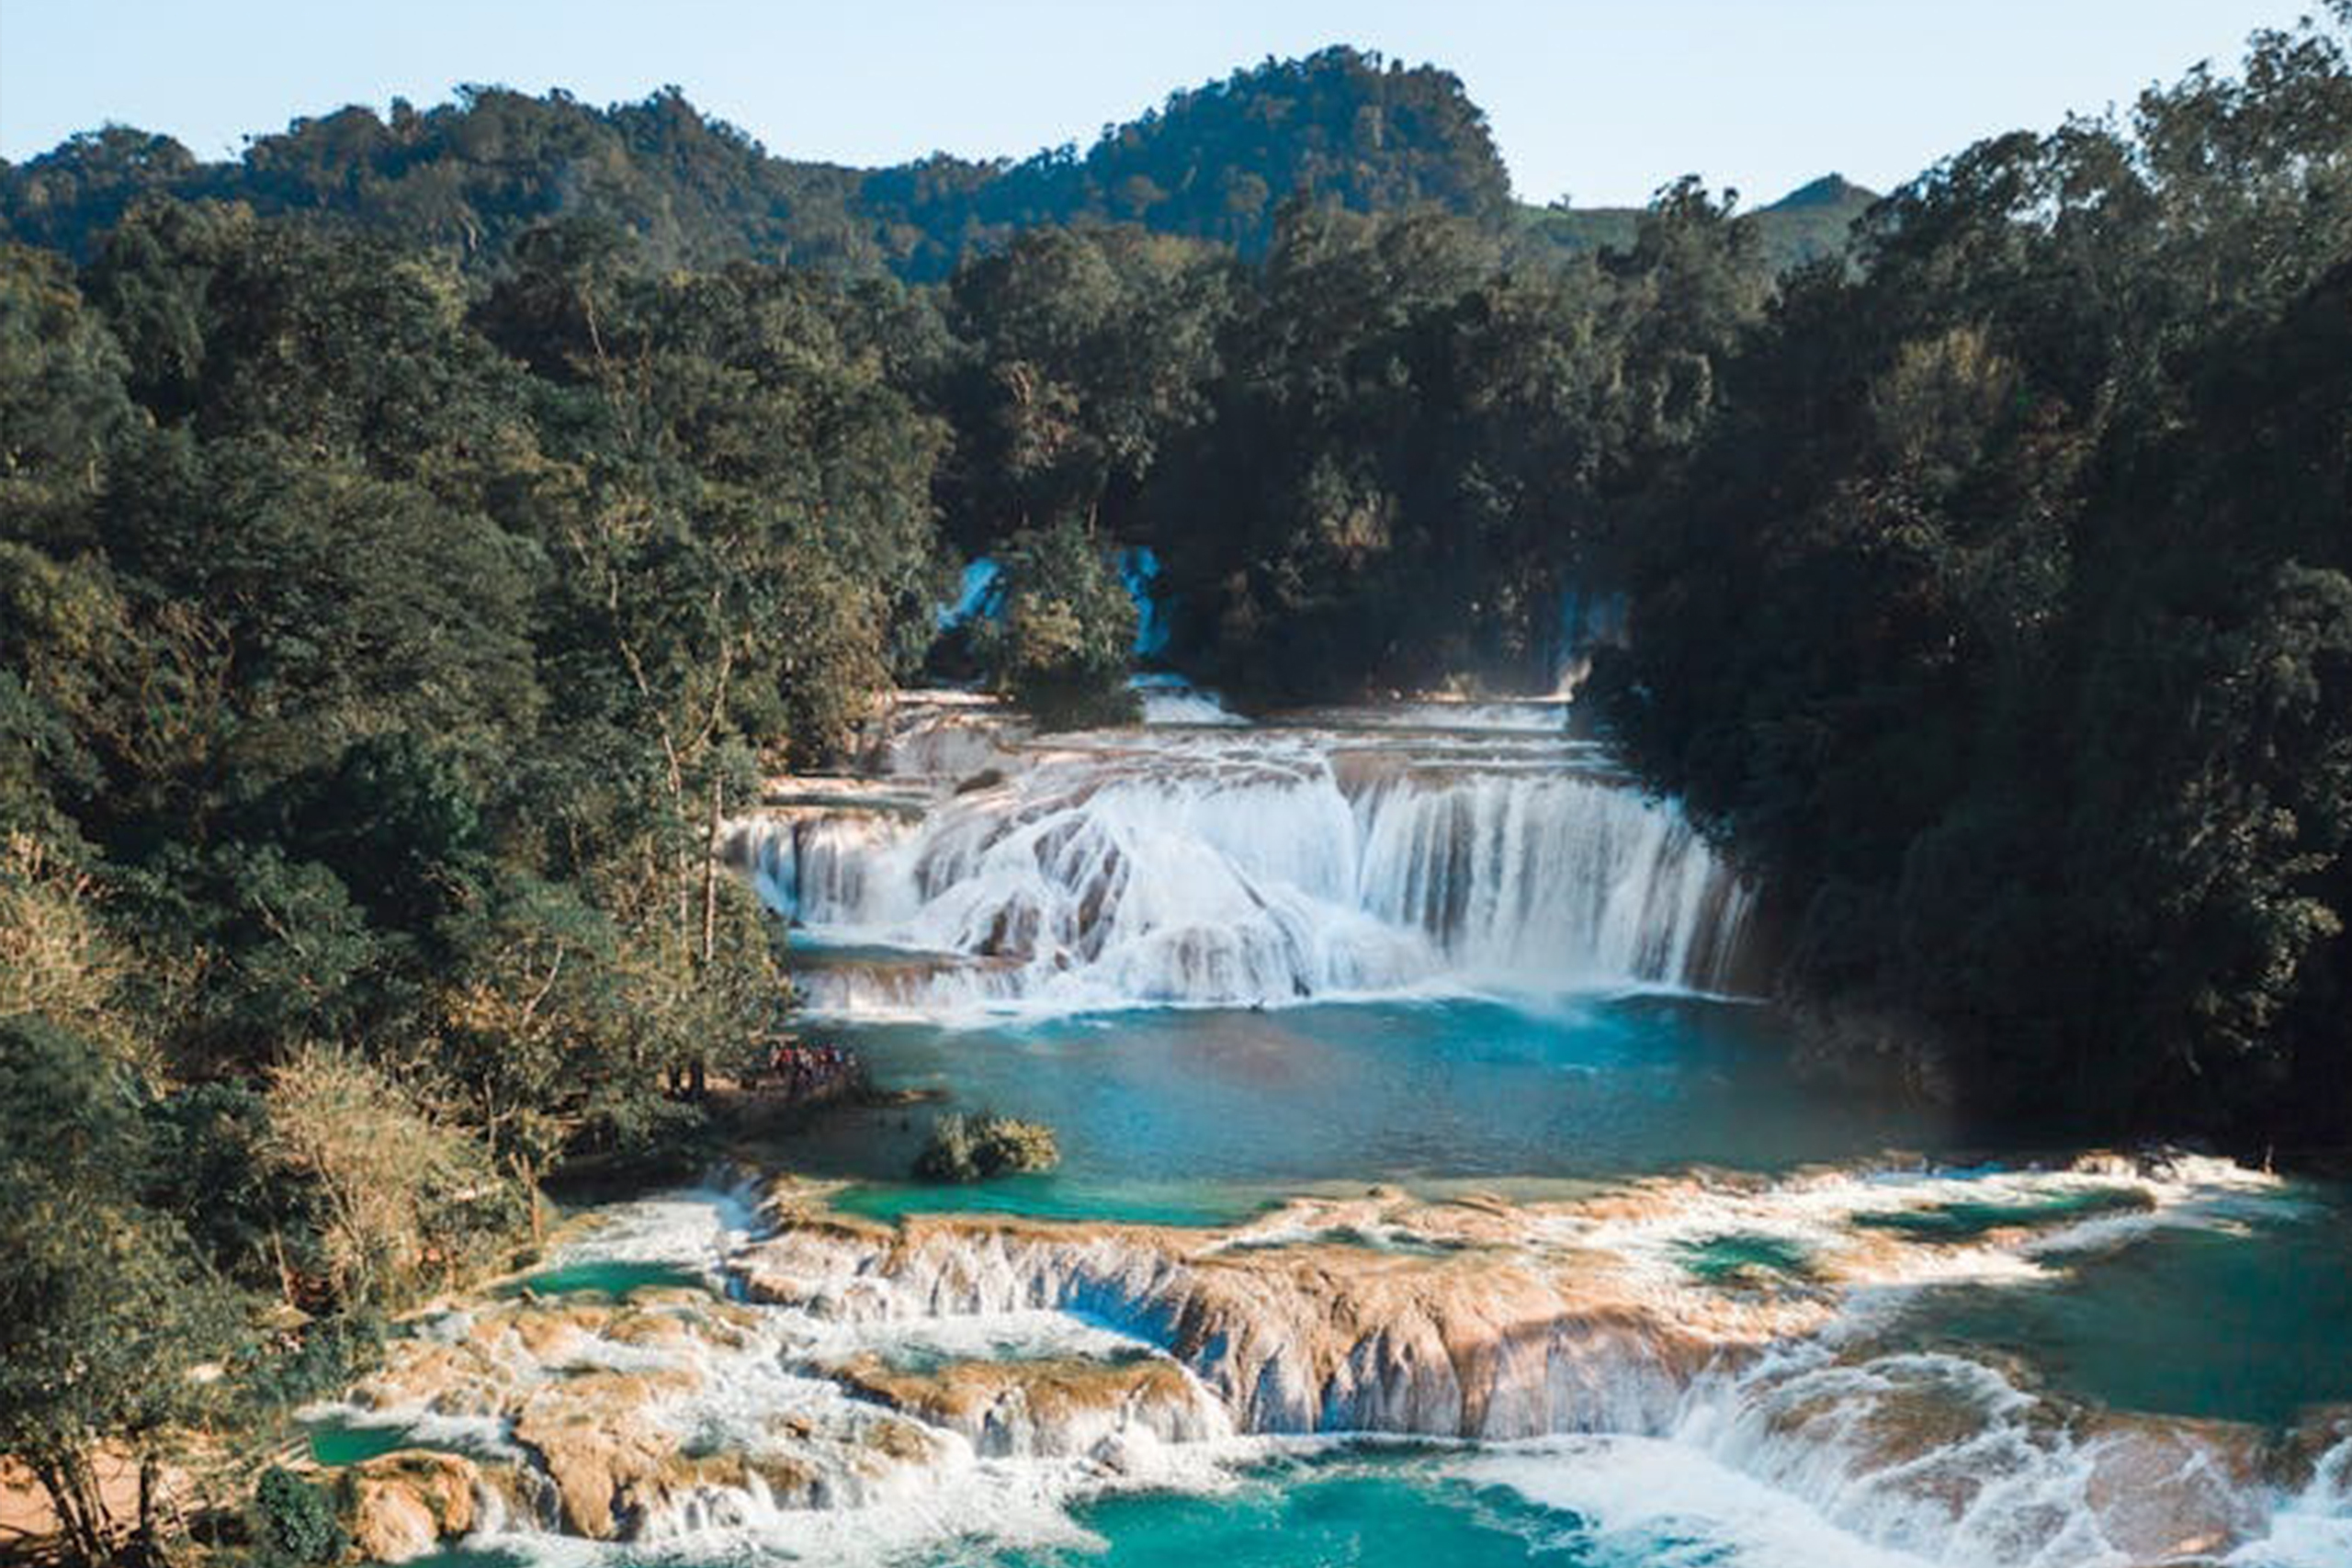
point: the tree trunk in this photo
(151, 1551)
(523, 1167)
(81, 1513)
(711, 875)
(95, 1516)
(700, 1069)
(285, 1275)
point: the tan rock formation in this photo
(2166, 1491)
(404, 1505)
(1475, 1318)
(1465, 1336)
(591, 1436)
(1061, 1405)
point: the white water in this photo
(759, 1381)
(1822, 1451)
(1172, 700)
(1633, 1492)
(2313, 1529)
(1264, 867)
(1433, 846)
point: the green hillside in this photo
(1344, 127)
(1809, 222)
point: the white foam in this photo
(1261, 868)
(1649, 1501)
(692, 1227)
(1815, 1454)
(2314, 1527)
(1172, 700)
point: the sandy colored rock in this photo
(2167, 1490)
(1055, 1405)
(650, 1331)
(551, 1335)
(404, 1505)
(450, 1380)
(1472, 1317)
(789, 1482)
(1440, 1329)
(594, 1437)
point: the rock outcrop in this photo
(405, 1504)
(1069, 1404)
(1480, 1329)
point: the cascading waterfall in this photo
(1261, 868)
(1518, 876)
(861, 1391)
(1705, 1367)
(820, 866)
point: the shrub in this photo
(326, 1356)
(297, 1519)
(401, 1192)
(972, 1148)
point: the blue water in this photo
(1364, 1513)
(609, 1278)
(2245, 1322)
(334, 1442)
(1198, 1117)
(1385, 1507)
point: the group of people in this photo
(806, 1071)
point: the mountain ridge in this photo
(1217, 162)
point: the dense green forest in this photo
(470, 176)
(1340, 127)
(392, 606)
(2002, 616)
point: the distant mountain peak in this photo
(1830, 190)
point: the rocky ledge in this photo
(866, 1363)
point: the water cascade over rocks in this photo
(1735, 1369)
(858, 1390)
(1433, 846)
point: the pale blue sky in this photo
(1603, 100)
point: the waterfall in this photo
(1510, 876)
(975, 595)
(862, 1393)
(820, 866)
(1139, 570)
(1171, 699)
(1258, 868)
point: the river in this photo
(1434, 1191)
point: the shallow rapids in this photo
(1679, 1371)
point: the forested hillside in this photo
(375, 659)
(1341, 127)
(1814, 221)
(2002, 616)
